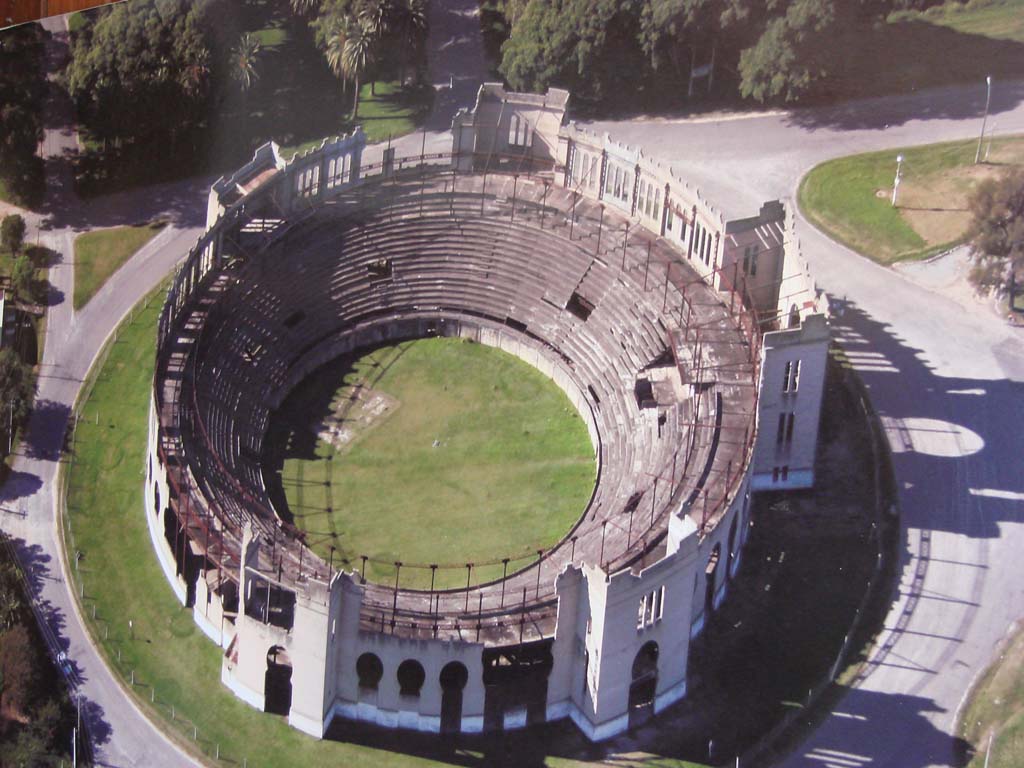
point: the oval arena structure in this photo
(692, 347)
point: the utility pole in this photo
(896, 181)
(984, 119)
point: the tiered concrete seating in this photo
(485, 260)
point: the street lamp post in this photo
(984, 119)
(896, 181)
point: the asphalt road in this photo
(946, 379)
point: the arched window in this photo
(370, 670)
(454, 676)
(410, 677)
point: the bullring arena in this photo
(692, 347)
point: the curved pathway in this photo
(946, 379)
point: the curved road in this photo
(946, 379)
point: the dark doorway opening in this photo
(644, 685)
(277, 683)
(454, 676)
(516, 678)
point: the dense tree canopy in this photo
(773, 50)
(17, 387)
(22, 90)
(360, 37)
(997, 245)
(12, 233)
(147, 68)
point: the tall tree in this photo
(997, 243)
(244, 58)
(304, 8)
(12, 233)
(791, 54)
(143, 63)
(357, 57)
(17, 387)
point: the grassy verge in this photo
(993, 720)
(100, 254)
(998, 19)
(486, 452)
(850, 198)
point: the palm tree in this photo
(410, 26)
(357, 57)
(378, 17)
(304, 7)
(244, 57)
(334, 53)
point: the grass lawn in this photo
(482, 450)
(99, 254)
(850, 197)
(394, 111)
(999, 19)
(996, 710)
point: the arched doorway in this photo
(369, 670)
(277, 683)
(644, 685)
(410, 677)
(453, 679)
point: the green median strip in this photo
(100, 254)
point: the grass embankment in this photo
(176, 666)
(100, 254)
(995, 710)
(483, 451)
(850, 198)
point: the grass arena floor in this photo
(430, 451)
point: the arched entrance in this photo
(453, 679)
(277, 683)
(644, 685)
(370, 670)
(410, 677)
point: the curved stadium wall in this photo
(576, 254)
